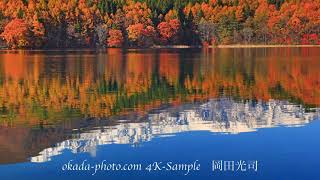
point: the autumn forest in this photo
(145, 23)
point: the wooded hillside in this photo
(143, 23)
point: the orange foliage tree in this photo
(17, 34)
(140, 35)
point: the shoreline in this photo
(232, 46)
(261, 46)
(168, 47)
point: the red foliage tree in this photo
(310, 39)
(115, 38)
(169, 30)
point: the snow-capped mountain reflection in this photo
(217, 116)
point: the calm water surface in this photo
(142, 106)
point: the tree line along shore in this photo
(158, 23)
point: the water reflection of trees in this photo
(42, 88)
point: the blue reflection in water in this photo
(221, 129)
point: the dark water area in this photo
(181, 106)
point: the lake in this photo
(243, 113)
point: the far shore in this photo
(234, 46)
(171, 47)
(260, 46)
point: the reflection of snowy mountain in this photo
(218, 116)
